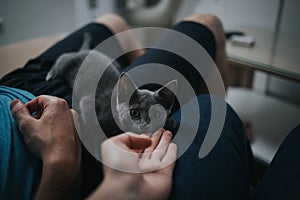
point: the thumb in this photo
(21, 114)
(139, 141)
(131, 141)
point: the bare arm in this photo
(51, 135)
(137, 167)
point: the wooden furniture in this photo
(276, 53)
(271, 117)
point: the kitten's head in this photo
(140, 110)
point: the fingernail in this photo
(168, 134)
(13, 103)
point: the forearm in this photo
(118, 188)
(59, 180)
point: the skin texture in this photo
(117, 25)
(51, 136)
(215, 25)
(152, 159)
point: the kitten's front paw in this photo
(49, 76)
(52, 74)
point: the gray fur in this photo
(141, 101)
(153, 107)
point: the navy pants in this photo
(224, 173)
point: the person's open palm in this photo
(147, 163)
(158, 162)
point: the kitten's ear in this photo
(167, 92)
(125, 87)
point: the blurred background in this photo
(264, 76)
(20, 20)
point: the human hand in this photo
(139, 166)
(158, 163)
(50, 134)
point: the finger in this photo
(171, 154)
(139, 142)
(75, 115)
(132, 141)
(37, 114)
(21, 115)
(155, 140)
(170, 158)
(77, 125)
(117, 154)
(36, 104)
(44, 101)
(162, 147)
(75, 118)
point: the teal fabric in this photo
(20, 170)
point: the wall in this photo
(28, 19)
(263, 14)
(84, 13)
(259, 13)
(290, 17)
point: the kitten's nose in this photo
(147, 120)
(144, 124)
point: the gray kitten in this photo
(135, 110)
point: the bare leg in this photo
(117, 25)
(215, 25)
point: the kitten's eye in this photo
(134, 113)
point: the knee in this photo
(110, 17)
(212, 22)
(209, 20)
(114, 22)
